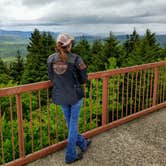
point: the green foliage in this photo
(16, 68)
(82, 48)
(141, 51)
(3, 66)
(4, 78)
(97, 57)
(131, 42)
(112, 48)
(40, 47)
(162, 54)
(112, 63)
(129, 46)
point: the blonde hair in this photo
(62, 50)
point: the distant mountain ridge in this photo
(21, 34)
(26, 34)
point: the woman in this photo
(67, 72)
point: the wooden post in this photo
(20, 125)
(105, 115)
(156, 77)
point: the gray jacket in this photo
(66, 77)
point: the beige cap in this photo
(64, 38)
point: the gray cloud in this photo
(109, 3)
(130, 13)
(84, 12)
(36, 3)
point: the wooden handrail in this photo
(46, 84)
(124, 70)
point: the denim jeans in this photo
(71, 114)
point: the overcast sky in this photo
(87, 16)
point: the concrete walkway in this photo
(141, 142)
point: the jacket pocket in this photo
(79, 91)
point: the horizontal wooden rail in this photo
(101, 74)
(124, 70)
(25, 88)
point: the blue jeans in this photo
(71, 114)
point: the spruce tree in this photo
(131, 42)
(112, 48)
(83, 49)
(34, 45)
(130, 45)
(4, 73)
(146, 51)
(97, 56)
(40, 47)
(3, 67)
(17, 68)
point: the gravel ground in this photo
(141, 142)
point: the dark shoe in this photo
(79, 157)
(88, 143)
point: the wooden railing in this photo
(31, 126)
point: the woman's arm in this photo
(81, 70)
(49, 67)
